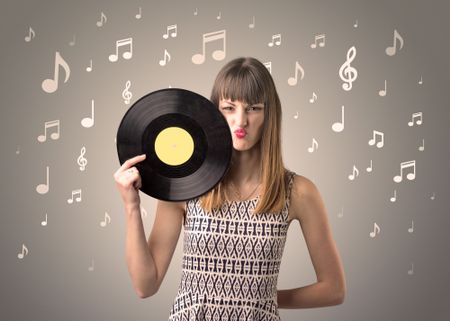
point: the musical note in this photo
(217, 54)
(356, 24)
(81, 161)
(409, 176)
(127, 54)
(411, 229)
(296, 115)
(278, 42)
(219, 16)
(75, 192)
(139, 14)
(126, 94)
(72, 42)
(102, 20)
(43, 188)
(390, 51)
(314, 143)
(341, 213)
(348, 73)
(44, 223)
(394, 198)
(173, 34)
(432, 197)
(106, 221)
(370, 168)
(420, 81)
(31, 35)
(166, 56)
(382, 92)
(24, 252)
(292, 81)
(313, 98)
(352, 175)
(88, 122)
(89, 68)
(50, 124)
(252, 25)
(268, 65)
(416, 115)
(51, 85)
(375, 134)
(196, 12)
(91, 267)
(411, 272)
(18, 150)
(321, 39)
(375, 228)
(422, 147)
(339, 126)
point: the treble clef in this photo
(348, 73)
(82, 162)
(126, 94)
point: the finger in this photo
(132, 161)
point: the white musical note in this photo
(313, 98)
(352, 175)
(348, 73)
(252, 25)
(390, 51)
(106, 221)
(89, 68)
(51, 85)
(81, 160)
(411, 272)
(296, 115)
(23, 253)
(277, 42)
(376, 230)
(315, 145)
(292, 81)
(196, 11)
(356, 24)
(432, 197)
(75, 192)
(420, 81)
(416, 115)
(268, 65)
(370, 168)
(217, 54)
(410, 176)
(411, 229)
(422, 147)
(173, 34)
(102, 20)
(31, 35)
(127, 54)
(91, 267)
(44, 223)
(43, 188)
(375, 134)
(88, 122)
(339, 126)
(72, 42)
(126, 94)
(341, 213)
(18, 150)
(166, 59)
(394, 198)
(321, 39)
(382, 92)
(219, 15)
(47, 125)
(139, 14)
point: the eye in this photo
(227, 107)
(255, 108)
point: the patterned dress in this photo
(231, 261)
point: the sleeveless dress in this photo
(231, 261)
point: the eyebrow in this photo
(257, 104)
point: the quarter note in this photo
(102, 20)
(88, 122)
(411, 272)
(47, 125)
(219, 16)
(51, 85)
(23, 253)
(356, 24)
(296, 115)
(139, 14)
(106, 221)
(382, 92)
(376, 230)
(292, 81)
(277, 42)
(195, 12)
(394, 198)
(72, 43)
(313, 98)
(321, 39)
(18, 150)
(75, 192)
(373, 140)
(420, 81)
(339, 126)
(126, 54)
(89, 68)
(406, 165)
(44, 223)
(315, 145)
(252, 25)
(352, 176)
(217, 54)
(173, 34)
(422, 147)
(411, 229)
(31, 35)
(418, 121)
(91, 267)
(390, 51)
(370, 168)
(166, 59)
(43, 188)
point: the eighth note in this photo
(217, 54)
(173, 34)
(106, 221)
(321, 39)
(102, 20)
(390, 51)
(313, 98)
(127, 54)
(50, 124)
(31, 35)
(51, 85)
(375, 228)
(277, 42)
(410, 176)
(314, 144)
(373, 140)
(352, 175)
(24, 252)
(418, 121)
(166, 58)
(75, 192)
(292, 81)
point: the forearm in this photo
(140, 263)
(315, 295)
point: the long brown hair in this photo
(246, 79)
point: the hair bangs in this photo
(241, 84)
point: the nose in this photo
(241, 118)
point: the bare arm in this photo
(308, 208)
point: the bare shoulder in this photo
(304, 191)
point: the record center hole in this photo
(174, 146)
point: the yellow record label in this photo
(174, 146)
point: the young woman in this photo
(234, 235)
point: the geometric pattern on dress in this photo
(231, 260)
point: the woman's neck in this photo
(245, 167)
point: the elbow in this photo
(146, 293)
(339, 297)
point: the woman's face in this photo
(245, 121)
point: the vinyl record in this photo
(186, 140)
